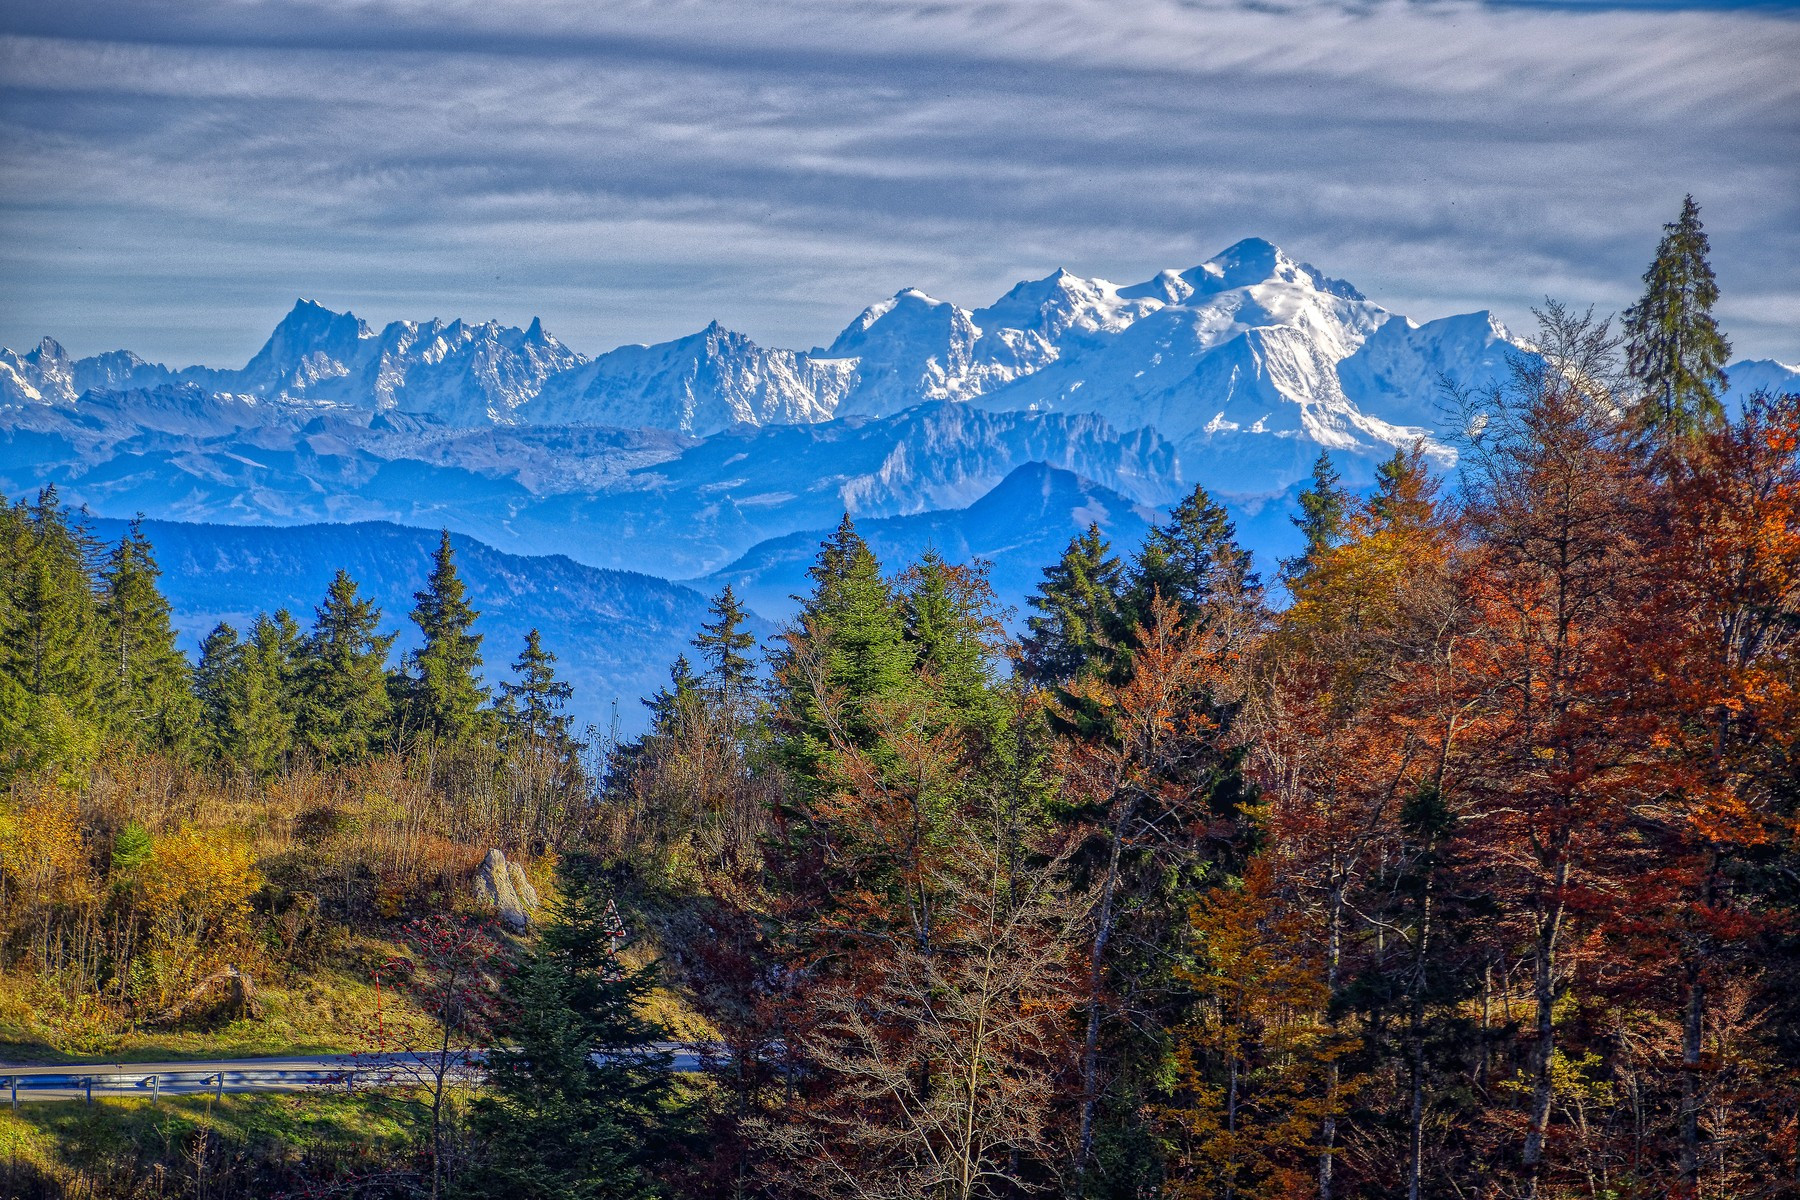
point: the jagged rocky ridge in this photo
(1249, 349)
(1250, 346)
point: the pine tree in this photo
(1194, 561)
(15, 700)
(532, 708)
(853, 619)
(1324, 507)
(582, 1105)
(446, 695)
(57, 642)
(344, 707)
(1079, 618)
(668, 701)
(269, 702)
(1405, 494)
(1673, 346)
(722, 642)
(147, 694)
(950, 620)
(217, 678)
(50, 662)
(246, 690)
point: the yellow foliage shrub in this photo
(194, 894)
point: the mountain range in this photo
(996, 431)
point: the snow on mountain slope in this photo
(1237, 362)
(700, 384)
(42, 375)
(457, 372)
(1231, 360)
(1759, 374)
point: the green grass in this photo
(328, 1011)
(237, 1145)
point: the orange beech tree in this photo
(1728, 712)
(1558, 515)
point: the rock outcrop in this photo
(503, 886)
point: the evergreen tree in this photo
(445, 693)
(1194, 561)
(955, 633)
(1079, 618)
(1405, 494)
(532, 708)
(722, 642)
(217, 680)
(853, 620)
(15, 699)
(246, 690)
(1324, 506)
(668, 701)
(344, 705)
(147, 693)
(1673, 346)
(582, 1105)
(56, 651)
(270, 700)
(51, 670)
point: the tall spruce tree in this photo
(950, 620)
(446, 695)
(147, 691)
(582, 1103)
(270, 700)
(217, 679)
(247, 692)
(722, 642)
(15, 699)
(853, 620)
(1673, 346)
(532, 708)
(344, 706)
(1194, 560)
(58, 630)
(668, 702)
(1323, 507)
(1079, 611)
(51, 671)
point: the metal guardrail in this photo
(152, 1081)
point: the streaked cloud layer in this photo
(176, 172)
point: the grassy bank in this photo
(237, 1146)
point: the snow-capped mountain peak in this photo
(1250, 360)
(1256, 261)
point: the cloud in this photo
(179, 171)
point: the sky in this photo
(174, 173)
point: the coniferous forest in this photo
(1457, 856)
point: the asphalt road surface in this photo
(292, 1073)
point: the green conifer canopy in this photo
(1673, 346)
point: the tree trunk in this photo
(1090, 1050)
(1333, 957)
(1690, 1082)
(1543, 985)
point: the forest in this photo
(1458, 856)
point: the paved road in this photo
(292, 1073)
